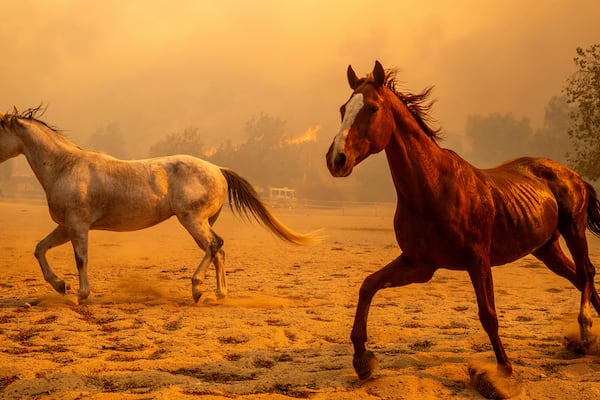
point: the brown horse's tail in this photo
(245, 201)
(593, 210)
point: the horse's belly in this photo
(127, 224)
(133, 218)
(519, 232)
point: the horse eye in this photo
(373, 108)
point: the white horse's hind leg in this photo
(219, 262)
(199, 275)
(208, 241)
(55, 238)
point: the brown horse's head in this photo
(366, 123)
(374, 112)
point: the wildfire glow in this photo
(210, 152)
(309, 136)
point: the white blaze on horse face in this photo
(354, 105)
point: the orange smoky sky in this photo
(156, 67)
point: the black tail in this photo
(593, 210)
(245, 201)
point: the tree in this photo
(263, 158)
(265, 129)
(189, 141)
(496, 138)
(109, 140)
(583, 93)
(552, 140)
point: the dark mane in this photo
(30, 114)
(419, 104)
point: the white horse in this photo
(91, 190)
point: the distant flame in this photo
(309, 136)
(210, 152)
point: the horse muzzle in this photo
(338, 163)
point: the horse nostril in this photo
(340, 160)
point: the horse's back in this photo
(111, 194)
(567, 186)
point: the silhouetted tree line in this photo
(268, 156)
(570, 133)
(495, 138)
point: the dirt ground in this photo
(284, 330)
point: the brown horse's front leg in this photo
(399, 272)
(481, 277)
(364, 361)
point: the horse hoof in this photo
(492, 383)
(62, 287)
(364, 364)
(575, 344)
(83, 296)
(196, 294)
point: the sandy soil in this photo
(284, 330)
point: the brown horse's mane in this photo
(418, 104)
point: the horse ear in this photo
(378, 74)
(352, 78)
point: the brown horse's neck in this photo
(414, 160)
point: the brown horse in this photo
(452, 215)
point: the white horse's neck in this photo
(46, 151)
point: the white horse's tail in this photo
(245, 201)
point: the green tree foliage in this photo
(189, 141)
(583, 93)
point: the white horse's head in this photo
(11, 144)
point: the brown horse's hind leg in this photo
(399, 272)
(555, 259)
(55, 238)
(584, 269)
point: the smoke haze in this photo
(155, 67)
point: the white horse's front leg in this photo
(55, 238)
